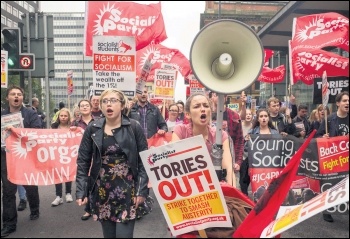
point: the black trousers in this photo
(59, 187)
(118, 230)
(9, 212)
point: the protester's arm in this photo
(227, 163)
(242, 112)
(294, 111)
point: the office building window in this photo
(26, 6)
(3, 20)
(20, 3)
(15, 12)
(31, 8)
(3, 5)
(9, 22)
(9, 8)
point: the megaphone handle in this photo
(219, 119)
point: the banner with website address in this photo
(42, 156)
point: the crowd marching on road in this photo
(114, 126)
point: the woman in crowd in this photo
(261, 125)
(173, 119)
(319, 115)
(118, 179)
(85, 118)
(198, 110)
(76, 113)
(63, 121)
(246, 126)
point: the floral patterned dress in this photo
(116, 187)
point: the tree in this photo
(37, 91)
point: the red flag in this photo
(268, 54)
(143, 21)
(70, 86)
(320, 30)
(266, 208)
(275, 75)
(309, 64)
(161, 54)
(269, 75)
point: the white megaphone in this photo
(226, 56)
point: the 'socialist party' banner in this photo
(42, 156)
(324, 164)
(186, 186)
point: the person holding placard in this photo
(198, 110)
(337, 125)
(15, 96)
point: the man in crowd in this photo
(338, 124)
(95, 102)
(283, 123)
(302, 124)
(14, 96)
(42, 116)
(148, 115)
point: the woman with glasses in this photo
(118, 180)
(173, 119)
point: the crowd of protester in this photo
(198, 116)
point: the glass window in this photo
(25, 5)
(20, 3)
(15, 24)
(31, 8)
(3, 5)
(9, 22)
(20, 14)
(3, 20)
(15, 12)
(9, 8)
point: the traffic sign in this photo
(27, 62)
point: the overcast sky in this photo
(181, 22)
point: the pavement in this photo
(64, 222)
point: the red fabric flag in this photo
(70, 86)
(269, 75)
(161, 54)
(266, 208)
(115, 18)
(320, 30)
(307, 65)
(275, 75)
(268, 54)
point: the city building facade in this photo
(11, 11)
(68, 42)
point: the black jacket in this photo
(154, 119)
(131, 140)
(283, 125)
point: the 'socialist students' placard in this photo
(114, 64)
(186, 186)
